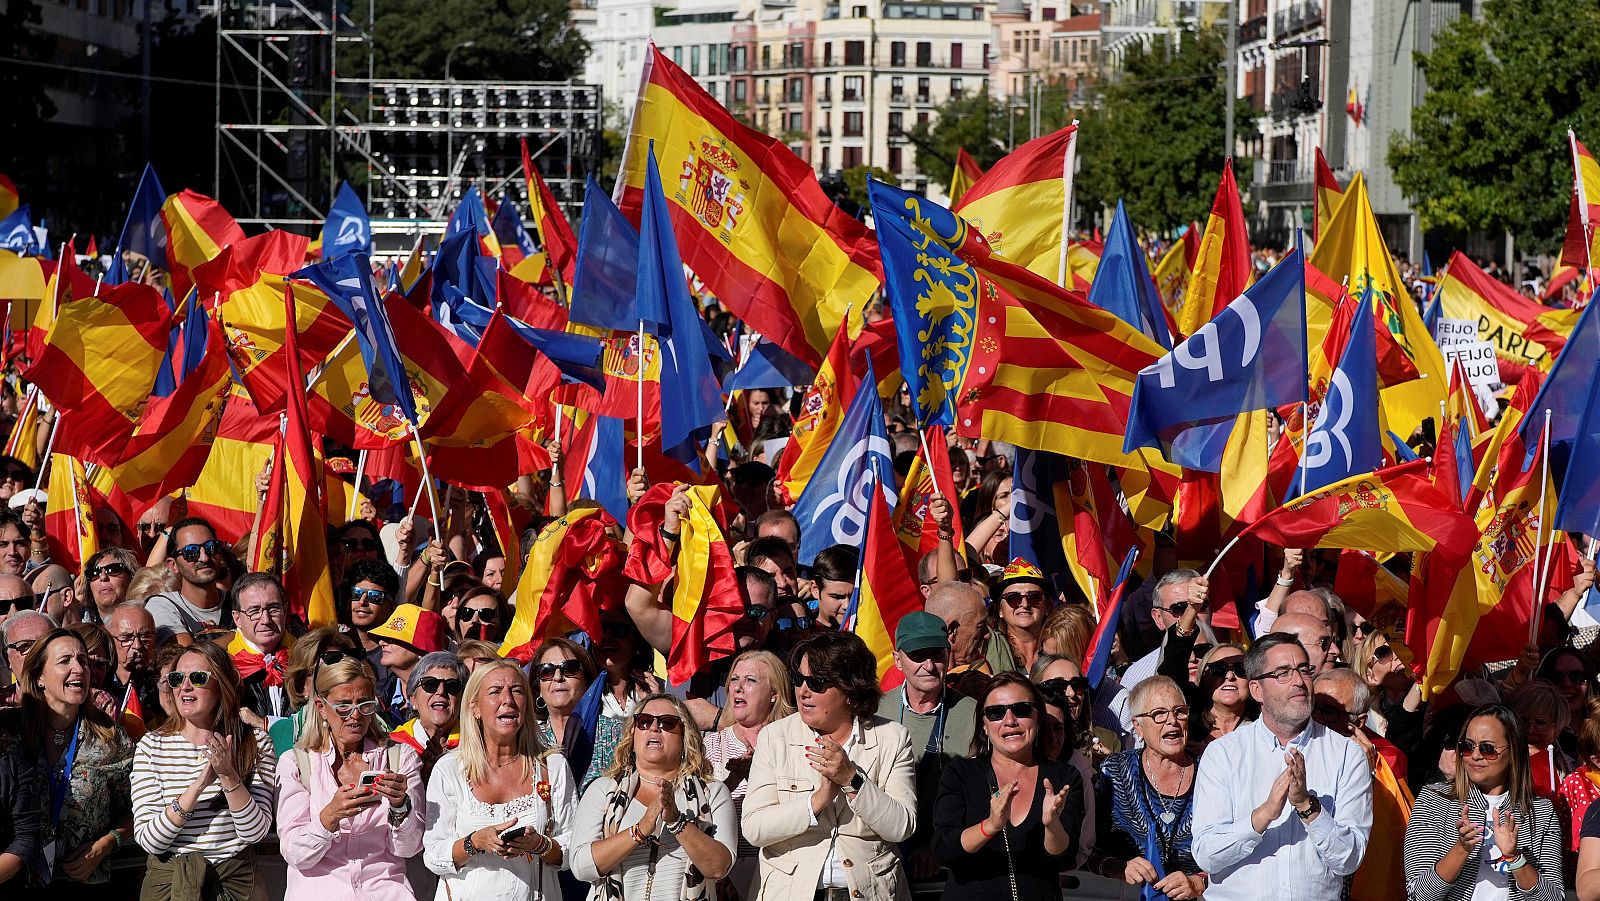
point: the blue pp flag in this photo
(17, 234)
(470, 215)
(347, 228)
(1404, 454)
(605, 279)
(143, 232)
(769, 366)
(1578, 504)
(1344, 439)
(460, 265)
(833, 507)
(348, 283)
(1122, 283)
(1035, 528)
(508, 227)
(1252, 356)
(1567, 388)
(692, 399)
(603, 478)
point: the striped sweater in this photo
(1432, 831)
(163, 768)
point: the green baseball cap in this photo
(919, 631)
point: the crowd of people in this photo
(166, 707)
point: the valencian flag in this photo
(1122, 282)
(69, 514)
(1345, 439)
(347, 228)
(1019, 205)
(1325, 196)
(963, 176)
(1222, 268)
(706, 602)
(833, 510)
(1029, 363)
(555, 233)
(197, 230)
(750, 218)
(1578, 251)
(143, 232)
(1251, 356)
(885, 589)
(1523, 332)
(573, 566)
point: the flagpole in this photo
(355, 497)
(49, 446)
(427, 478)
(55, 296)
(1538, 569)
(1305, 440)
(1067, 164)
(927, 456)
(640, 361)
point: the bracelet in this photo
(470, 849)
(557, 483)
(1522, 861)
(670, 536)
(681, 823)
(637, 836)
(177, 808)
(116, 839)
(228, 788)
(984, 831)
(1286, 583)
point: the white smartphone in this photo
(369, 778)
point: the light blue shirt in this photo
(1292, 860)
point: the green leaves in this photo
(512, 40)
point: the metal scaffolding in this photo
(298, 111)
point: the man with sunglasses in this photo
(1177, 592)
(19, 633)
(1320, 645)
(133, 633)
(15, 596)
(1281, 802)
(153, 522)
(195, 553)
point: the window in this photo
(1050, 14)
(983, 63)
(858, 12)
(795, 90)
(797, 55)
(677, 55)
(741, 91)
(852, 87)
(738, 58)
(922, 90)
(694, 61)
(895, 161)
(897, 88)
(855, 53)
(955, 87)
(827, 90)
(827, 53)
(852, 157)
(1016, 44)
(1055, 51)
(766, 57)
(797, 121)
(896, 123)
(924, 53)
(825, 157)
(897, 54)
(852, 124)
(955, 55)
(922, 119)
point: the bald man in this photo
(15, 595)
(133, 633)
(1314, 635)
(58, 591)
(961, 607)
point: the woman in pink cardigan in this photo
(343, 836)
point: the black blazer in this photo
(965, 789)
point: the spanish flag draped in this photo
(1523, 333)
(1019, 205)
(751, 219)
(573, 567)
(1325, 195)
(1222, 268)
(69, 516)
(963, 176)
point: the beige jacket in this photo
(777, 812)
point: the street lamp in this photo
(452, 53)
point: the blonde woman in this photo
(758, 694)
(202, 786)
(501, 804)
(340, 828)
(657, 826)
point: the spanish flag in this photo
(821, 410)
(225, 491)
(1172, 271)
(507, 532)
(198, 228)
(1222, 268)
(306, 575)
(572, 568)
(1325, 196)
(556, 239)
(1579, 248)
(1019, 205)
(963, 176)
(23, 442)
(69, 514)
(887, 591)
(1523, 332)
(917, 531)
(133, 715)
(751, 219)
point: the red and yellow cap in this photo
(422, 629)
(1020, 570)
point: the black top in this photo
(965, 789)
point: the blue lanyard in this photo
(1152, 845)
(935, 743)
(61, 776)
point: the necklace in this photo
(1168, 815)
(58, 737)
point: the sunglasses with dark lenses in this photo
(374, 596)
(1363, 629)
(114, 568)
(665, 722)
(1176, 609)
(1202, 649)
(1018, 598)
(1487, 751)
(1568, 677)
(616, 630)
(152, 528)
(1022, 710)
(1220, 669)
(1382, 653)
(334, 655)
(785, 623)
(570, 669)
(817, 684)
(360, 544)
(22, 602)
(481, 614)
(431, 684)
(757, 612)
(1059, 685)
(212, 548)
(198, 678)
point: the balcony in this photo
(1300, 17)
(897, 98)
(1253, 30)
(1287, 172)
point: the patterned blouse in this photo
(607, 733)
(1136, 806)
(97, 797)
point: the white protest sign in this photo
(1477, 358)
(1450, 332)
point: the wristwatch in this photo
(857, 781)
(1312, 809)
(471, 849)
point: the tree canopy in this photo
(512, 40)
(1488, 146)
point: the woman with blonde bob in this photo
(758, 695)
(339, 827)
(501, 803)
(657, 826)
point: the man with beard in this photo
(1283, 801)
(134, 634)
(195, 553)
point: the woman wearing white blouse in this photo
(758, 693)
(656, 826)
(500, 806)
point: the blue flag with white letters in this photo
(1252, 356)
(1035, 528)
(1344, 439)
(833, 507)
(347, 228)
(17, 234)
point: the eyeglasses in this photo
(198, 678)
(114, 568)
(212, 549)
(374, 596)
(658, 722)
(1326, 642)
(1018, 598)
(481, 614)
(1059, 685)
(1283, 674)
(334, 655)
(1486, 750)
(254, 613)
(817, 684)
(133, 638)
(786, 623)
(360, 544)
(21, 648)
(1382, 654)
(1022, 710)
(1162, 715)
(757, 612)
(99, 662)
(570, 669)
(1220, 669)
(345, 708)
(152, 528)
(1569, 677)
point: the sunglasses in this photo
(1018, 598)
(431, 685)
(212, 549)
(1363, 629)
(345, 708)
(481, 614)
(198, 678)
(817, 684)
(1568, 677)
(334, 655)
(1220, 669)
(360, 544)
(616, 630)
(1382, 654)
(1176, 609)
(115, 568)
(1022, 710)
(21, 648)
(152, 528)
(373, 596)
(569, 669)
(22, 602)
(757, 612)
(658, 722)
(1201, 649)
(1059, 685)
(785, 623)
(1486, 750)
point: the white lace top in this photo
(454, 813)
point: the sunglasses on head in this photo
(431, 684)
(663, 722)
(334, 655)
(374, 596)
(1220, 669)
(1022, 710)
(570, 669)
(1486, 750)
(360, 544)
(198, 678)
(212, 548)
(482, 614)
(817, 684)
(114, 568)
